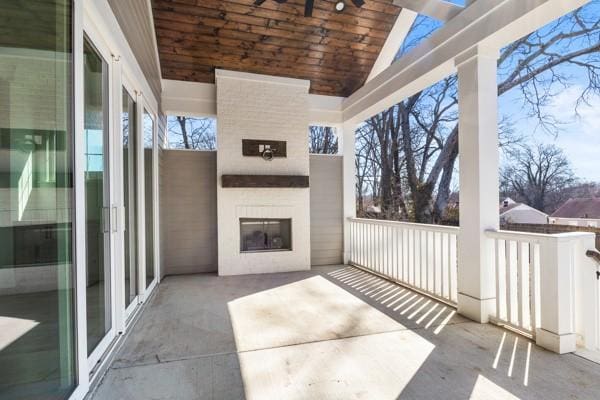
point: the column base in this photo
(560, 344)
(478, 310)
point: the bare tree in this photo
(425, 124)
(322, 140)
(192, 133)
(539, 176)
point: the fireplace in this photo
(265, 234)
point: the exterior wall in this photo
(551, 228)
(189, 211)
(591, 222)
(162, 181)
(136, 23)
(326, 210)
(260, 107)
(523, 216)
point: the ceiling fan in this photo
(308, 5)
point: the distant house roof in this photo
(579, 208)
(506, 208)
(509, 204)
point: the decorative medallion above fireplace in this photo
(265, 234)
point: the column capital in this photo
(477, 51)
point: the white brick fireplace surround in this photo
(251, 106)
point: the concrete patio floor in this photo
(330, 333)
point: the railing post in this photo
(564, 301)
(479, 181)
(347, 137)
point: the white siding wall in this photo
(326, 212)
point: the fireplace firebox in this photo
(265, 234)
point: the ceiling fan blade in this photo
(308, 8)
(259, 2)
(358, 3)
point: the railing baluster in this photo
(420, 256)
(508, 252)
(519, 271)
(533, 291)
(497, 261)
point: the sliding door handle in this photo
(114, 218)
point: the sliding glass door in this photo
(37, 296)
(130, 199)
(97, 201)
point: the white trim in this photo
(438, 9)
(141, 198)
(78, 224)
(100, 46)
(223, 73)
(489, 24)
(127, 311)
(108, 27)
(190, 99)
(117, 204)
(325, 110)
(195, 99)
(154, 41)
(394, 41)
(346, 142)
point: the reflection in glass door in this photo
(149, 195)
(128, 116)
(97, 197)
(37, 321)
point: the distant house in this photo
(578, 212)
(512, 212)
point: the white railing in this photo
(517, 258)
(423, 257)
(546, 287)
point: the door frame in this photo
(128, 311)
(91, 35)
(146, 107)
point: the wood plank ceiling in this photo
(335, 51)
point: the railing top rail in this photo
(410, 225)
(534, 237)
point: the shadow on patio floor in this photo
(330, 333)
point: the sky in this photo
(579, 132)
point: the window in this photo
(192, 133)
(322, 140)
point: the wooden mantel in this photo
(265, 181)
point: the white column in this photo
(479, 181)
(347, 138)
